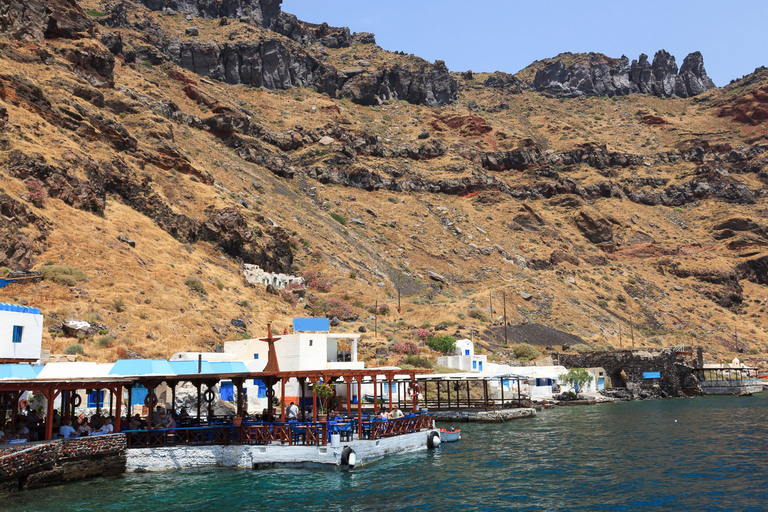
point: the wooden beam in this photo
(118, 408)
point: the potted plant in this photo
(324, 393)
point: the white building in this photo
(21, 334)
(257, 276)
(464, 358)
(299, 351)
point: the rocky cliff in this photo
(599, 76)
(262, 12)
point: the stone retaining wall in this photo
(484, 416)
(28, 466)
(677, 376)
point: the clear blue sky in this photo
(507, 35)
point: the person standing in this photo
(292, 412)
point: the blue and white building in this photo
(21, 334)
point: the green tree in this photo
(576, 378)
(444, 344)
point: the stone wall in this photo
(29, 466)
(626, 367)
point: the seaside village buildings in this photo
(538, 382)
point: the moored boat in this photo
(450, 435)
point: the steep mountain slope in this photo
(158, 151)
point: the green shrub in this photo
(195, 285)
(4, 270)
(104, 341)
(479, 314)
(339, 218)
(526, 352)
(94, 13)
(417, 361)
(444, 344)
(63, 274)
(581, 347)
(219, 285)
(118, 304)
(74, 349)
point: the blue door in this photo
(600, 383)
(480, 366)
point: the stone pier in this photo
(33, 465)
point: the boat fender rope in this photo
(209, 395)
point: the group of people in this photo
(393, 415)
(30, 426)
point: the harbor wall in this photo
(468, 416)
(65, 460)
(258, 456)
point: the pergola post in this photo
(389, 385)
(199, 386)
(282, 400)
(519, 396)
(502, 392)
(173, 385)
(50, 396)
(118, 408)
(375, 397)
(349, 396)
(239, 385)
(469, 400)
(314, 404)
(485, 393)
(130, 399)
(111, 394)
(415, 394)
(302, 382)
(15, 408)
(360, 407)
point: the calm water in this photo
(629, 456)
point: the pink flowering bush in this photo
(36, 193)
(406, 348)
(422, 334)
(313, 281)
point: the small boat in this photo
(450, 435)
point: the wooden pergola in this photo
(348, 376)
(461, 385)
(65, 390)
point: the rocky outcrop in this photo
(18, 243)
(272, 64)
(268, 63)
(427, 85)
(263, 12)
(599, 76)
(35, 20)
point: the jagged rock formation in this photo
(34, 20)
(274, 65)
(600, 76)
(263, 12)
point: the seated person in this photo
(397, 413)
(164, 421)
(292, 412)
(184, 414)
(384, 415)
(23, 430)
(135, 423)
(107, 427)
(66, 430)
(84, 428)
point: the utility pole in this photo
(506, 339)
(376, 320)
(632, 331)
(620, 345)
(490, 304)
(399, 282)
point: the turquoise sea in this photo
(702, 454)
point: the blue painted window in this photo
(480, 364)
(474, 365)
(466, 352)
(96, 399)
(255, 356)
(18, 331)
